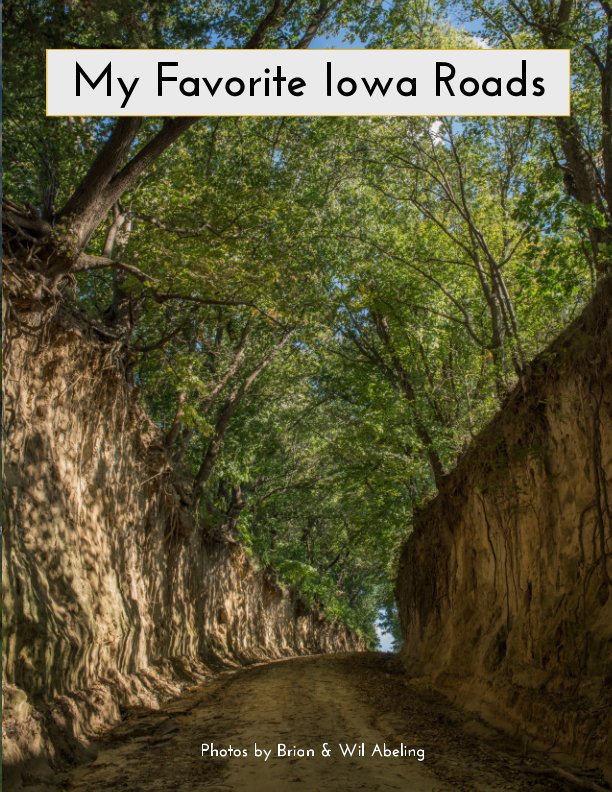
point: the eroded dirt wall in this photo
(504, 586)
(110, 596)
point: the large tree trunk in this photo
(105, 183)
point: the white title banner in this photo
(308, 82)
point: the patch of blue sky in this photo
(385, 639)
(337, 41)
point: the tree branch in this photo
(87, 262)
(318, 18)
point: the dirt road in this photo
(306, 702)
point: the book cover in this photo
(307, 418)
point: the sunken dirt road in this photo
(306, 702)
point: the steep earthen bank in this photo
(111, 598)
(504, 585)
